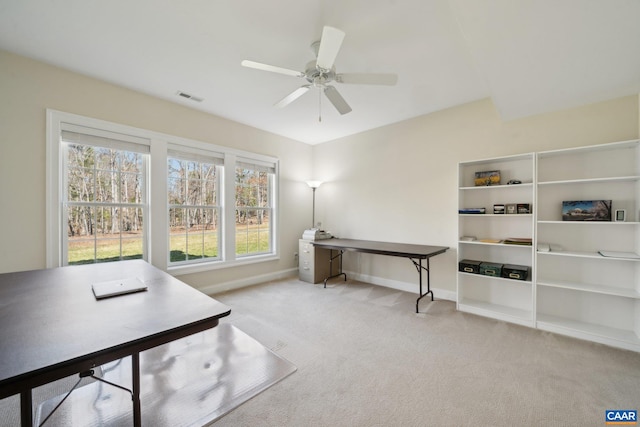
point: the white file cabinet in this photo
(313, 263)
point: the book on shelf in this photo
(490, 240)
(471, 211)
(525, 241)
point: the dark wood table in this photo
(53, 326)
(416, 253)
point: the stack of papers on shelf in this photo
(613, 254)
(518, 241)
(490, 240)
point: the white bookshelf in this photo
(500, 298)
(579, 292)
(571, 290)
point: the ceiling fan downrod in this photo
(319, 107)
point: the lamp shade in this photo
(314, 184)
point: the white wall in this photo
(29, 87)
(399, 182)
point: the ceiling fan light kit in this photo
(321, 71)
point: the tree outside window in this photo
(104, 204)
(194, 211)
(253, 213)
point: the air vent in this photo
(188, 96)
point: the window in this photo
(104, 208)
(116, 192)
(254, 212)
(194, 209)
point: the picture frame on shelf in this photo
(586, 210)
(487, 178)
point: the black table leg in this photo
(135, 365)
(26, 409)
(340, 273)
(419, 267)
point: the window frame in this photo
(248, 164)
(157, 221)
(66, 203)
(180, 153)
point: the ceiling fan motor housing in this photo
(317, 76)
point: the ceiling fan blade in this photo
(368, 79)
(329, 46)
(337, 100)
(272, 68)
(292, 96)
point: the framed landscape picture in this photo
(586, 210)
(487, 178)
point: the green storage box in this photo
(491, 269)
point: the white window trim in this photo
(158, 226)
(144, 205)
(272, 198)
(201, 157)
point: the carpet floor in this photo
(365, 358)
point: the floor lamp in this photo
(314, 185)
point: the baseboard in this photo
(248, 281)
(283, 274)
(401, 286)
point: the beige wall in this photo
(28, 88)
(399, 182)
(395, 183)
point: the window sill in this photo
(179, 270)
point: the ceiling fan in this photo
(321, 71)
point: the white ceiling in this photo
(529, 56)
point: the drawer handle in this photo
(468, 270)
(305, 268)
(514, 275)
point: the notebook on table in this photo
(114, 288)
